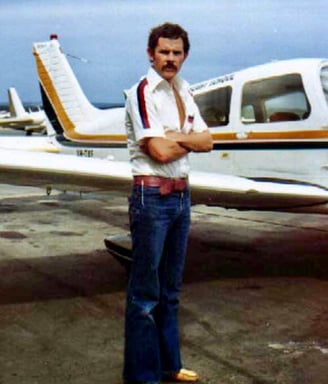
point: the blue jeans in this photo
(159, 229)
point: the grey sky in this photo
(225, 36)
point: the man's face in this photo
(167, 57)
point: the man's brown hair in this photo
(169, 31)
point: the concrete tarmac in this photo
(253, 305)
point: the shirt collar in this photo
(154, 80)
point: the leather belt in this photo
(165, 184)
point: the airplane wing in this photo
(66, 172)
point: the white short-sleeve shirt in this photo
(151, 110)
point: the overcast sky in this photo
(226, 35)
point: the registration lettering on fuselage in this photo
(84, 152)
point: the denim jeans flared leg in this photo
(159, 230)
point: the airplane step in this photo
(119, 246)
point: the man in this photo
(163, 125)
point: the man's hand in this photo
(162, 149)
(193, 141)
(176, 145)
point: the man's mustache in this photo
(170, 66)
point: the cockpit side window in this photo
(214, 106)
(324, 81)
(275, 99)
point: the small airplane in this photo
(4, 113)
(269, 124)
(18, 118)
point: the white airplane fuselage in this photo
(275, 123)
(268, 122)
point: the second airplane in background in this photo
(18, 118)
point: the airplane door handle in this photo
(242, 135)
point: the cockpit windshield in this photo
(214, 106)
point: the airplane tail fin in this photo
(64, 101)
(16, 107)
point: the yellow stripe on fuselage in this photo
(285, 135)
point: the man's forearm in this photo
(176, 145)
(163, 150)
(194, 141)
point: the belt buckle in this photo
(179, 184)
(166, 187)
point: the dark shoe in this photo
(184, 375)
